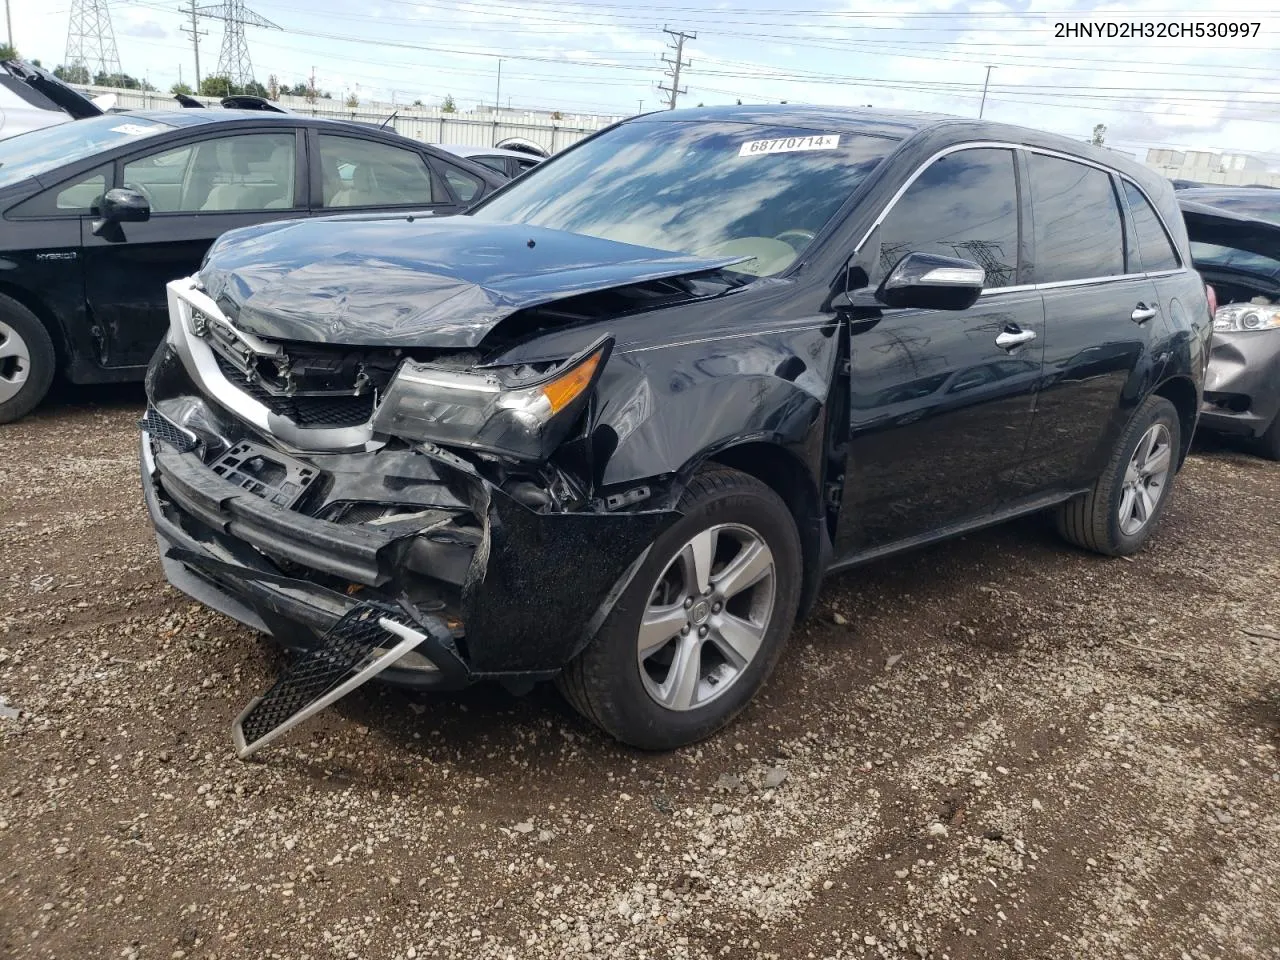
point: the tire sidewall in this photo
(1164, 412)
(655, 726)
(43, 360)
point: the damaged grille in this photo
(304, 410)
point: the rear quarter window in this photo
(1154, 246)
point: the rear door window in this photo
(1078, 232)
(369, 173)
(963, 205)
(1154, 245)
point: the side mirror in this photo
(121, 205)
(930, 282)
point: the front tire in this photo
(1122, 510)
(27, 360)
(703, 622)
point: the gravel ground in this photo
(999, 747)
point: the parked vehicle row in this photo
(614, 424)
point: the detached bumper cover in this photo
(1242, 384)
(538, 587)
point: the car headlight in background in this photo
(494, 411)
(1246, 317)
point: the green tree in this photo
(1099, 134)
(417, 103)
(448, 106)
(76, 73)
(8, 52)
(217, 86)
(180, 89)
(273, 87)
(352, 101)
(557, 115)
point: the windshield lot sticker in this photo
(135, 129)
(754, 148)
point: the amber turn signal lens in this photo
(565, 389)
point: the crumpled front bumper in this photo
(1242, 383)
(536, 589)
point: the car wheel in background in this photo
(27, 360)
(1122, 510)
(702, 623)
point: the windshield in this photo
(39, 151)
(709, 189)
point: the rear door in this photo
(198, 189)
(1101, 319)
(939, 411)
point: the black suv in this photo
(97, 215)
(615, 425)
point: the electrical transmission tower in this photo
(91, 43)
(674, 66)
(234, 62)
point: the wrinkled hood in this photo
(441, 282)
(1243, 219)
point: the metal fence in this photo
(429, 124)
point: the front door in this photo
(941, 401)
(197, 191)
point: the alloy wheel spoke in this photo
(1158, 462)
(681, 684)
(739, 640)
(1126, 504)
(696, 559)
(1147, 446)
(753, 561)
(1142, 504)
(658, 626)
(1133, 471)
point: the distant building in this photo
(1204, 166)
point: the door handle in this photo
(1142, 313)
(1012, 338)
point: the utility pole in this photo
(641, 108)
(8, 26)
(982, 106)
(674, 66)
(196, 34)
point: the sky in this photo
(606, 58)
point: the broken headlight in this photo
(490, 410)
(1243, 317)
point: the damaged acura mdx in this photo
(614, 425)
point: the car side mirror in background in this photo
(121, 205)
(930, 282)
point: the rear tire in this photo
(1122, 510)
(675, 661)
(27, 360)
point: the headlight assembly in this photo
(490, 410)
(1246, 317)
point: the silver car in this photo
(32, 98)
(1235, 244)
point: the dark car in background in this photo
(509, 163)
(32, 98)
(98, 214)
(614, 425)
(1235, 243)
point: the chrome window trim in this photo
(197, 357)
(1046, 151)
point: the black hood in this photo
(1242, 219)
(441, 282)
(55, 93)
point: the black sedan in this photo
(99, 214)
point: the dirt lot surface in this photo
(999, 747)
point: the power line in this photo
(674, 66)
